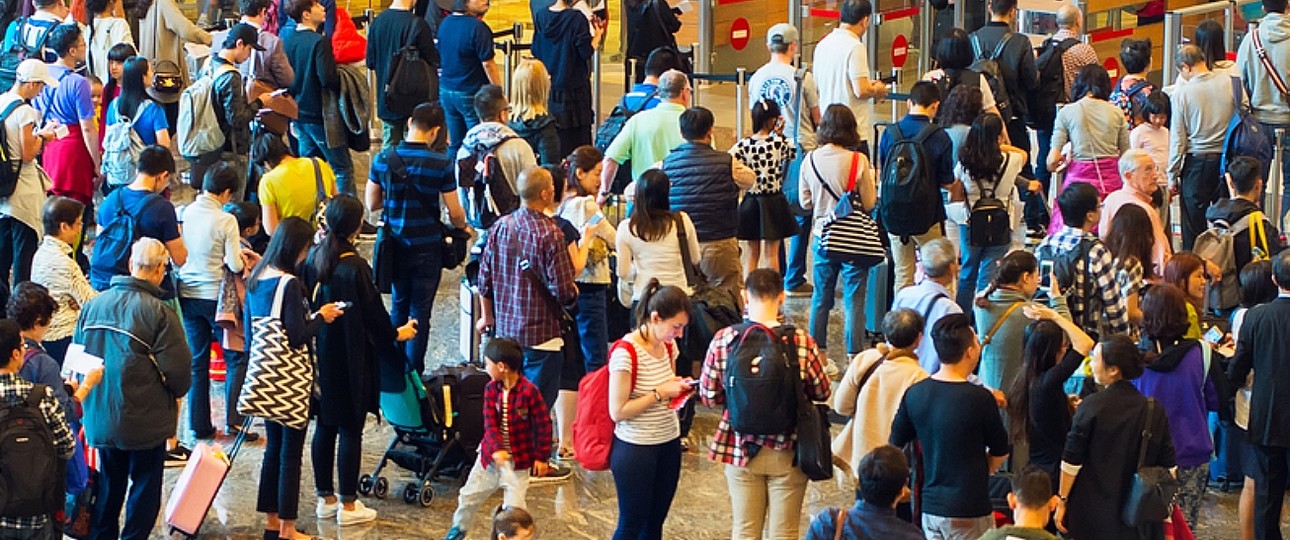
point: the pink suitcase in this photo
(198, 484)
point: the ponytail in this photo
(667, 302)
(1008, 271)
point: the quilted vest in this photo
(704, 188)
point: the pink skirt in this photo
(70, 167)
(1103, 173)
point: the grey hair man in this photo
(649, 136)
(932, 297)
(1139, 173)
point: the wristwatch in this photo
(657, 396)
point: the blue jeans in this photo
(459, 113)
(199, 325)
(543, 368)
(593, 327)
(142, 472)
(416, 278)
(313, 143)
(795, 262)
(854, 281)
(645, 477)
(977, 269)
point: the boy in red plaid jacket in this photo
(517, 436)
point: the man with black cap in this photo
(231, 107)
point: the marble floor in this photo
(582, 508)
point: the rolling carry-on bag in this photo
(199, 483)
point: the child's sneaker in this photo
(554, 473)
(455, 534)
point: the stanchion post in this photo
(925, 17)
(1173, 36)
(1276, 175)
(507, 64)
(595, 84)
(1229, 26)
(630, 76)
(741, 110)
(895, 106)
(698, 59)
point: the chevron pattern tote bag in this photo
(279, 378)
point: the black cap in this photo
(244, 32)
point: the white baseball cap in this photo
(33, 70)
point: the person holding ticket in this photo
(129, 418)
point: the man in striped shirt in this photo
(408, 181)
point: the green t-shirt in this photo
(1013, 532)
(648, 137)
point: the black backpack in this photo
(31, 473)
(988, 66)
(489, 194)
(9, 165)
(409, 83)
(1052, 83)
(908, 188)
(18, 50)
(609, 130)
(760, 379)
(988, 224)
(1068, 265)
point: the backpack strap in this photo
(930, 305)
(1136, 88)
(923, 133)
(998, 49)
(644, 103)
(1262, 53)
(37, 393)
(631, 352)
(318, 181)
(1238, 92)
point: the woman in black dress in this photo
(348, 366)
(1102, 448)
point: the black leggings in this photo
(280, 471)
(346, 465)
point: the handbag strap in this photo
(999, 322)
(823, 183)
(683, 240)
(278, 295)
(318, 181)
(658, 16)
(1146, 431)
(855, 170)
(1003, 168)
(530, 273)
(1262, 53)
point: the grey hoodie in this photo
(515, 154)
(1274, 32)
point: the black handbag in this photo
(1151, 494)
(711, 308)
(383, 259)
(814, 441)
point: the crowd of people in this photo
(967, 357)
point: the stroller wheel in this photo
(365, 485)
(427, 495)
(410, 493)
(381, 488)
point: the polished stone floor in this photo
(584, 507)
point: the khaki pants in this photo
(719, 262)
(769, 484)
(904, 256)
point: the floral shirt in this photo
(768, 157)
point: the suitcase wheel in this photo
(365, 484)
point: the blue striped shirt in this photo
(412, 202)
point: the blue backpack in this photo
(1246, 136)
(111, 256)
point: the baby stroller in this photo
(438, 425)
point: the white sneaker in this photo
(360, 514)
(327, 511)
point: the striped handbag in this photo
(849, 233)
(279, 378)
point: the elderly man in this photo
(932, 297)
(132, 415)
(1139, 173)
(1202, 109)
(649, 136)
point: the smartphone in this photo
(1214, 335)
(60, 131)
(344, 305)
(888, 80)
(1046, 275)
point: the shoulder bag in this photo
(850, 233)
(814, 452)
(1151, 494)
(711, 308)
(279, 377)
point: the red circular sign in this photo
(739, 32)
(1112, 68)
(899, 51)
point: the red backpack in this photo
(593, 428)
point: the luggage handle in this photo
(233, 450)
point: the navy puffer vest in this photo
(703, 186)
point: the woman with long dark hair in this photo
(116, 57)
(135, 104)
(1101, 452)
(1178, 375)
(1257, 288)
(107, 28)
(279, 493)
(1132, 250)
(646, 456)
(957, 112)
(954, 59)
(350, 354)
(1001, 320)
(1098, 134)
(987, 167)
(647, 241)
(1039, 411)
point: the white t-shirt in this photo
(657, 424)
(29, 195)
(640, 260)
(839, 58)
(778, 83)
(987, 95)
(1242, 418)
(1156, 142)
(1005, 190)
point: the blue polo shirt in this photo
(412, 201)
(939, 148)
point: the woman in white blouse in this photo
(107, 27)
(648, 244)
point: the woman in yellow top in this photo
(289, 185)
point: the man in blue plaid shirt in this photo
(1081, 208)
(13, 392)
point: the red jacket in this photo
(529, 424)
